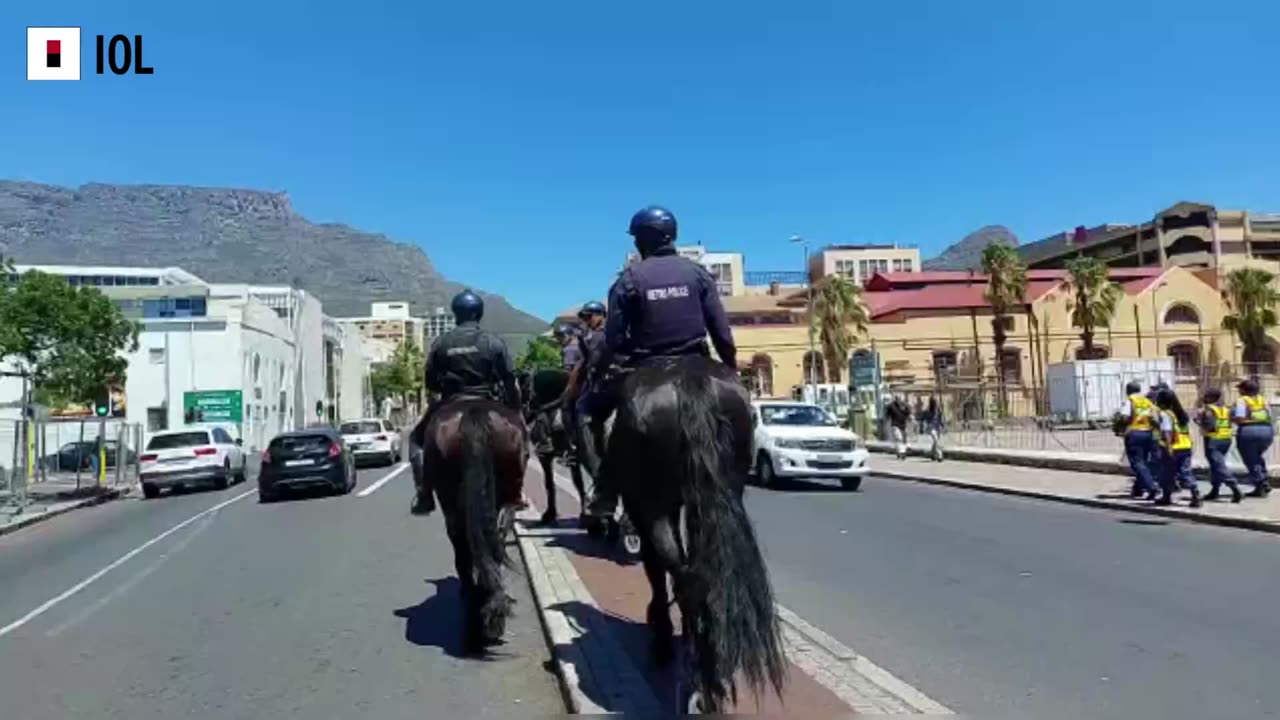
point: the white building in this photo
(725, 267)
(204, 344)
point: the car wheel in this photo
(150, 492)
(223, 480)
(764, 471)
(852, 484)
(242, 474)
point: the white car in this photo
(372, 438)
(799, 440)
(188, 457)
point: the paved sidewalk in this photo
(1093, 489)
(51, 498)
(593, 602)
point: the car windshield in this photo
(360, 428)
(178, 440)
(795, 415)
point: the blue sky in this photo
(512, 140)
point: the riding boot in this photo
(424, 500)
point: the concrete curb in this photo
(583, 657)
(1168, 512)
(26, 521)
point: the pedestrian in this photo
(1156, 455)
(920, 416)
(1214, 419)
(932, 421)
(1254, 434)
(1136, 420)
(899, 414)
(1175, 444)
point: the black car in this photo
(74, 454)
(306, 459)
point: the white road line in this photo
(45, 607)
(383, 481)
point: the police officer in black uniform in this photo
(590, 429)
(464, 362)
(663, 306)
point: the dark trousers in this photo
(1215, 452)
(1139, 447)
(1253, 441)
(597, 406)
(1175, 472)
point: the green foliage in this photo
(400, 377)
(542, 353)
(839, 316)
(1006, 291)
(1251, 298)
(70, 340)
(1094, 301)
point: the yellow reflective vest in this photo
(1181, 434)
(1142, 411)
(1221, 423)
(1256, 411)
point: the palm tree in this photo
(1094, 301)
(1251, 299)
(1006, 286)
(840, 316)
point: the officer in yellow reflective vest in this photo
(1138, 416)
(1175, 442)
(1215, 424)
(1254, 434)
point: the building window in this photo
(884, 265)
(1181, 314)
(864, 270)
(1186, 359)
(945, 364)
(1011, 363)
(847, 269)
(815, 369)
(157, 419)
(762, 375)
(155, 355)
(897, 265)
(907, 266)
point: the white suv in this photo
(793, 440)
(372, 438)
(190, 456)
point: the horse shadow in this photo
(632, 638)
(584, 545)
(436, 621)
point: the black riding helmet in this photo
(467, 307)
(653, 227)
(589, 308)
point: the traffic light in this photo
(102, 403)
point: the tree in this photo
(70, 341)
(1251, 300)
(1006, 290)
(402, 376)
(542, 353)
(840, 316)
(1095, 299)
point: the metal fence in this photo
(63, 455)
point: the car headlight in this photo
(857, 444)
(787, 443)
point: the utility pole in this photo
(813, 356)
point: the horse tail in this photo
(479, 492)
(736, 626)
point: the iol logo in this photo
(53, 53)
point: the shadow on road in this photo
(585, 546)
(633, 638)
(437, 621)
(797, 485)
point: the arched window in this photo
(1181, 314)
(1011, 363)
(762, 375)
(1186, 359)
(815, 368)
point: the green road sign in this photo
(226, 406)
(864, 368)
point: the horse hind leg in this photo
(661, 556)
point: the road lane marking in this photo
(132, 582)
(51, 602)
(382, 481)
(856, 680)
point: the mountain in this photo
(967, 253)
(229, 235)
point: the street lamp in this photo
(813, 358)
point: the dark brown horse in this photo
(475, 452)
(681, 441)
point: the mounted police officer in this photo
(663, 306)
(466, 362)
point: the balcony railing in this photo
(782, 277)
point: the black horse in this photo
(552, 432)
(681, 440)
(475, 451)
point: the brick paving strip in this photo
(1097, 489)
(592, 610)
